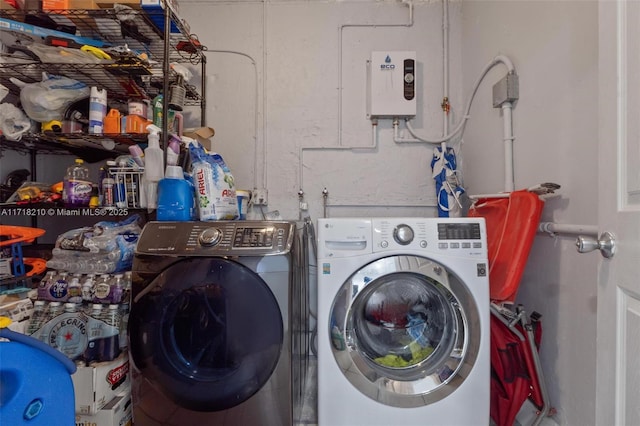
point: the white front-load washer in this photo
(403, 322)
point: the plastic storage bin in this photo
(37, 389)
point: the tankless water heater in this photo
(392, 84)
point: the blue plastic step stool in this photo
(35, 382)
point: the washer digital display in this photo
(253, 237)
(459, 231)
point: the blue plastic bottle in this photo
(110, 344)
(175, 197)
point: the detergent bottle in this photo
(154, 167)
(175, 196)
(76, 190)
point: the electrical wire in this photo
(461, 125)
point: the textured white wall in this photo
(554, 47)
(310, 59)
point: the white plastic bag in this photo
(13, 122)
(3, 92)
(48, 99)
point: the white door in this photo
(618, 338)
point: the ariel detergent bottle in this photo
(153, 167)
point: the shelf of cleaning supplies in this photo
(137, 48)
(129, 36)
(122, 82)
(91, 148)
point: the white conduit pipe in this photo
(509, 179)
(445, 64)
(500, 59)
(445, 72)
(256, 184)
(569, 229)
(489, 196)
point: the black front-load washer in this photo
(214, 309)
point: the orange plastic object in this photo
(137, 124)
(18, 234)
(57, 187)
(512, 224)
(112, 121)
(36, 265)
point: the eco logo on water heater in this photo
(387, 64)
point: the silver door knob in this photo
(606, 243)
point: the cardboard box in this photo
(95, 386)
(18, 309)
(202, 135)
(105, 4)
(55, 4)
(118, 412)
(60, 5)
(11, 4)
(83, 4)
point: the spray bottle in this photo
(173, 151)
(157, 108)
(153, 166)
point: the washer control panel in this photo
(228, 238)
(349, 237)
(462, 234)
(210, 237)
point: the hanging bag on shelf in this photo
(48, 99)
(13, 122)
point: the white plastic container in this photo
(243, 203)
(97, 110)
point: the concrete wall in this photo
(309, 62)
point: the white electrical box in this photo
(392, 84)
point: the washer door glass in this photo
(402, 321)
(207, 332)
(403, 328)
